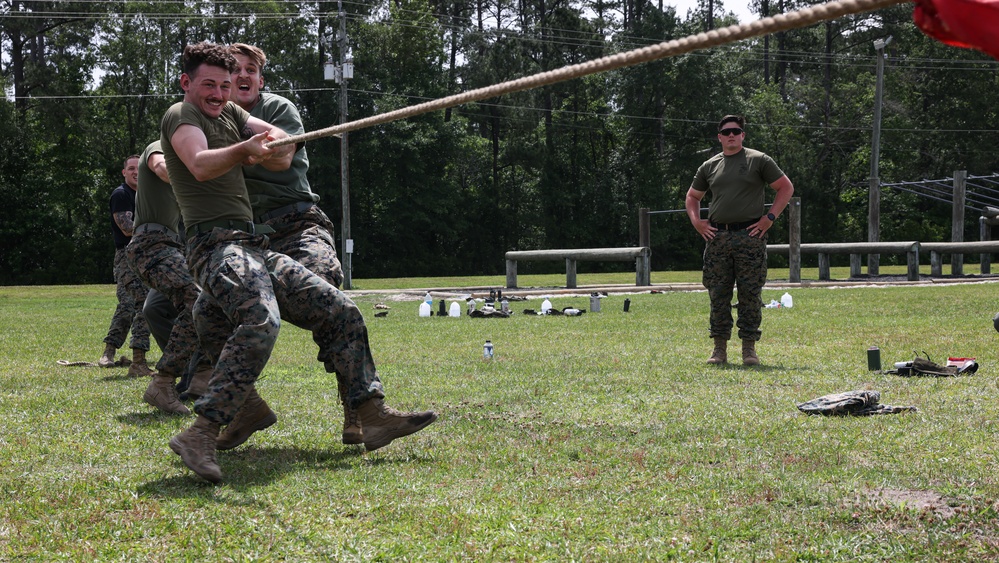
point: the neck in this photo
(252, 104)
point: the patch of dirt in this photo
(921, 501)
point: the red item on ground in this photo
(960, 362)
(972, 24)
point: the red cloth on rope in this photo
(972, 24)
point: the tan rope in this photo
(713, 38)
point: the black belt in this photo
(733, 226)
(294, 207)
(154, 228)
(245, 226)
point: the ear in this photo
(185, 81)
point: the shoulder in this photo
(754, 154)
(712, 162)
(279, 111)
(151, 149)
(269, 99)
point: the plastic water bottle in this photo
(454, 310)
(546, 306)
(487, 350)
(428, 299)
(505, 306)
(424, 309)
(786, 301)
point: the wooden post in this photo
(511, 274)
(570, 273)
(912, 258)
(794, 240)
(957, 221)
(985, 233)
(936, 264)
(643, 227)
(855, 265)
(824, 266)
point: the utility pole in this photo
(343, 72)
(874, 205)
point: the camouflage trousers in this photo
(246, 291)
(158, 259)
(307, 237)
(127, 317)
(735, 260)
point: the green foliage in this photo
(565, 165)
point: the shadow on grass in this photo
(248, 467)
(152, 416)
(119, 377)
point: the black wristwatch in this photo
(772, 217)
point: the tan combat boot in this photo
(252, 416)
(749, 357)
(199, 384)
(351, 423)
(139, 367)
(196, 447)
(107, 358)
(383, 424)
(720, 354)
(162, 394)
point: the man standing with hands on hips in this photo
(735, 231)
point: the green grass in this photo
(603, 437)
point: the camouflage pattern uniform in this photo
(735, 259)
(246, 284)
(128, 314)
(306, 236)
(155, 254)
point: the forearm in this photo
(125, 222)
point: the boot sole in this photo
(149, 401)
(239, 439)
(352, 438)
(390, 435)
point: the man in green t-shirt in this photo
(283, 200)
(156, 255)
(205, 140)
(735, 231)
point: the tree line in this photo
(447, 193)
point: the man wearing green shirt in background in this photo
(283, 200)
(156, 255)
(735, 232)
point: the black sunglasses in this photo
(730, 131)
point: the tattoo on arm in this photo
(124, 221)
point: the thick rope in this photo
(713, 38)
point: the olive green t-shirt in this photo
(270, 189)
(218, 199)
(737, 184)
(154, 200)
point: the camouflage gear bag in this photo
(850, 403)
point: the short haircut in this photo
(206, 53)
(255, 54)
(737, 119)
(130, 157)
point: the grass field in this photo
(602, 437)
